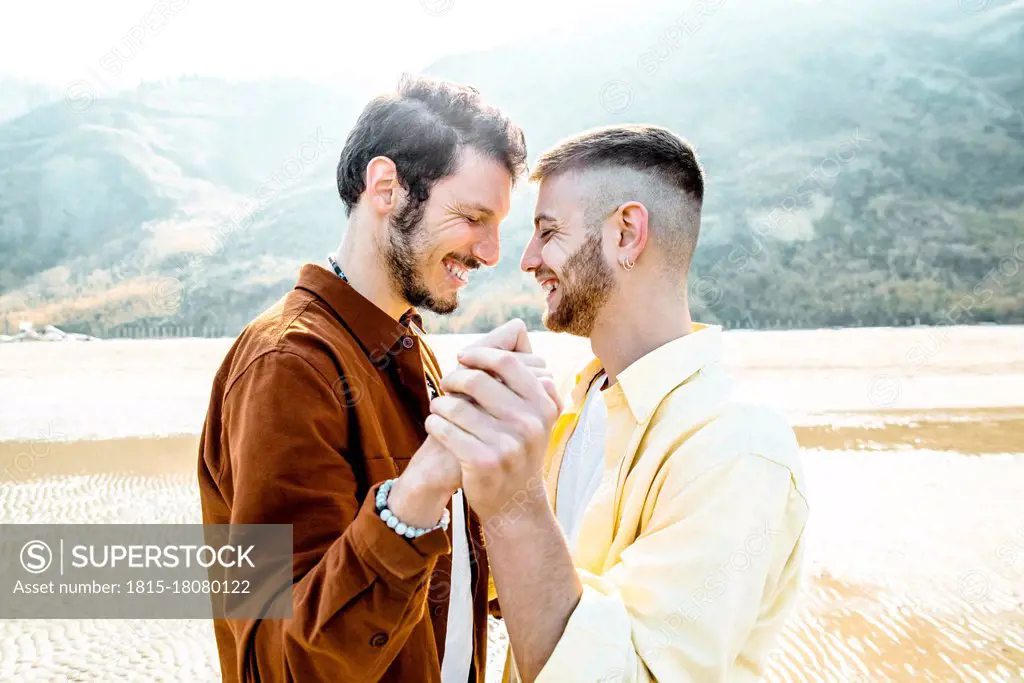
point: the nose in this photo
(531, 259)
(488, 250)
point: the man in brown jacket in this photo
(323, 397)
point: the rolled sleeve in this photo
(388, 553)
(695, 596)
(597, 642)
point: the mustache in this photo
(470, 262)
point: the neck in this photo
(360, 260)
(628, 331)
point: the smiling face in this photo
(566, 256)
(430, 253)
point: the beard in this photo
(405, 253)
(586, 283)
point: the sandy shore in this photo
(915, 571)
(915, 566)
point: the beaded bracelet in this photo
(401, 528)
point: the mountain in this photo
(18, 97)
(104, 207)
(865, 163)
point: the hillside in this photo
(864, 164)
(18, 97)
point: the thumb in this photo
(511, 336)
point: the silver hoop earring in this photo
(628, 264)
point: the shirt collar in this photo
(373, 328)
(649, 379)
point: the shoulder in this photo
(300, 338)
(748, 439)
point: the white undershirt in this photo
(458, 641)
(582, 464)
(580, 474)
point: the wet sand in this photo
(970, 432)
(915, 567)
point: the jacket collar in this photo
(375, 330)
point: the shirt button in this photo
(379, 640)
(407, 342)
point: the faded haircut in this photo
(643, 163)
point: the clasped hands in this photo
(486, 434)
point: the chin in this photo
(575, 325)
(442, 305)
(552, 322)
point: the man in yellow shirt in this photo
(657, 535)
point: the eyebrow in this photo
(542, 218)
(474, 207)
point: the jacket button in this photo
(437, 609)
(379, 640)
(407, 342)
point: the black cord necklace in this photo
(337, 268)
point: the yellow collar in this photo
(651, 377)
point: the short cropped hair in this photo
(645, 163)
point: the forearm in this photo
(353, 611)
(537, 584)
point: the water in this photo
(121, 388)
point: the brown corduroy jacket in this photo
(320, 399)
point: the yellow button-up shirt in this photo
(690, 550)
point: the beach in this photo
(912, 441)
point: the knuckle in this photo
(440, 405)
(450, 381)
(533, 429)
(517, 425)
(454, 407)
(508, 446)
(504, 364)
(461, 409)
(474, 381)
(550, 408)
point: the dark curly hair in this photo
(422, 127)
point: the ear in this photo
(633, 220)
(382, 186)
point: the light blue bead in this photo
(393, 521)
(386, 515)
(400, 528)
(420, 532)
(411, 533)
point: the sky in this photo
(123, 41)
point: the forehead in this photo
(560, 197)
(478, 182)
